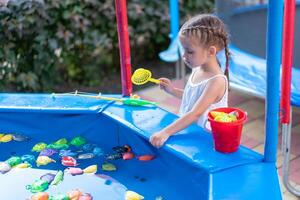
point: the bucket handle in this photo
(205, 125)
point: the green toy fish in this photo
(59, 177)
(38, 186)
(108, 167)
(39, 147)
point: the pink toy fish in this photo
(146, 157)
(74, 171)
(128, 156)
(85, 196)
(74, 194)
(68, 161)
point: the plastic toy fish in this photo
(28, 159)
(43, 160)
(74, 194)
(39, 147)
(59, 177)
(74, 171)
(146, 157)
(85, 196)
(6, 138)
(4, 167)
(20, 138)
(130, 195)
(68, 161)
(224, 117)
(114, 156)
(58, 146)
(1, 135)
(23, 165)
(49, 177)
(128, 156)
(78, 141)
(59, 197)
(64, 153)
(108, 167)
(98, 151)
(48, 152)
(88, 147)
(40, 196)
(38, 186)
(86, 156)
(61, 141)
(90, 169)
(13, 161)
(122, 149)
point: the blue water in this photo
(149, 178)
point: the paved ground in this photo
(253, 132)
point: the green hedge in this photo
(56, 42)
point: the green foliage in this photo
(65, 42)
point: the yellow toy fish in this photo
(90, 169)
(23, 165)
(6, 138)
(43, 160)
(130, 195)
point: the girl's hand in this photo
(159, 138)
(166, 85)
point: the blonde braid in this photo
(210, 30)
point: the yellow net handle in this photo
(153, 80)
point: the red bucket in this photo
(227, 135)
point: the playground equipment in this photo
(287, 63)
(191, 168)
(248, 72)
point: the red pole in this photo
(287, 58)
(124, 46)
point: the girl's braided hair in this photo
(208, 30)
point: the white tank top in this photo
(192, 93)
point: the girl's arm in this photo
(177, 92)
(212, 93)
(166, 85)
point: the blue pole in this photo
(274, 42)
(174, 18)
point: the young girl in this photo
(201, 37)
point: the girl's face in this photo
(194, 55)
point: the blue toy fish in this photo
(20, 138)
(114, 156)
(64, 153)
(28, 158)
(48, 152)
(98, 151)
